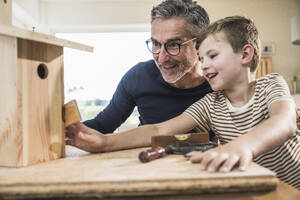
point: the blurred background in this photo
(118, 29)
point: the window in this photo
(91, 78)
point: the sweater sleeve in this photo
(116, 112)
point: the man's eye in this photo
(172, 45)
(156, 44)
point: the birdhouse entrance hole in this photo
(42, 71)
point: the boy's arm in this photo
(263, 138)
(93, 141)
(273, 132)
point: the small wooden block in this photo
(163, 141)
(71, 113)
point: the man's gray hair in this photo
(195, 16)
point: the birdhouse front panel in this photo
(41, 97)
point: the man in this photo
(161, 88)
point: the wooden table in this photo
(120, 175)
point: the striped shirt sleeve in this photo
(200, 113)
(277, 89)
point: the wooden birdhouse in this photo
(32, 94)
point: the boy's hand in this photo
(224, 158)
(85, 138)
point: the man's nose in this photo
(163, 55)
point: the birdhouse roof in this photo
(41, 37)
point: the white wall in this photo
(31, 6)
(27, 15)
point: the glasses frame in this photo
(179, 46)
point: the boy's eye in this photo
(213, 56)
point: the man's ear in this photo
(247, 54)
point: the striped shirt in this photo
(215, 112)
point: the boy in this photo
(257, 116)
(254, 119)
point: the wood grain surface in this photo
(120, 174)
(9, 139)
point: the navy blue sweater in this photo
(143, 86)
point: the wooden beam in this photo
(40, 37)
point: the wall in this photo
(272, 17)
(31, 6)
(26, 15)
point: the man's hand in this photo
(85, 138)
(224, 158)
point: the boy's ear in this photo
(247, 54)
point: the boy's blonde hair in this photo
(239, 31)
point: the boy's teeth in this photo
(211, 75)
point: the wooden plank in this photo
(10, 141)
(264, 67)
(120, 173)
(6, 12)
(40, 37)
(42, 99)
(269, 65)
(259, 71)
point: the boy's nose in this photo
(204, 65)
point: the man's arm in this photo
(91, 140)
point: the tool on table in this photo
(163, 141)
(179, 147)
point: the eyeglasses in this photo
(171, 47)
